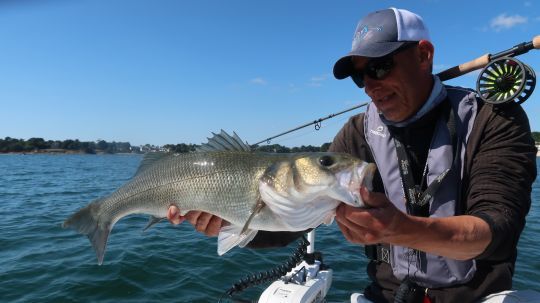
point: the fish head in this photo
(313, 173)
(313, 184)
(335, 175)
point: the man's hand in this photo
(458, 237)
(376, 223)
(203, 222)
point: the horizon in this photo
(144, 144)
(174, 72)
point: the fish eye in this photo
(326, 161)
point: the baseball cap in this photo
(380, 33)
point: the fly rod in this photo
(484, 60)
(316, 122)
(502, 79)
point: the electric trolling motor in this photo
(303, 278)
(309, 281)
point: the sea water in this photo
(41, 262)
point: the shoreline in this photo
(64, 152)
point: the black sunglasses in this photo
(378, 68)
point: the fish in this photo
(251, 190)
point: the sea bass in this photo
(251, 190)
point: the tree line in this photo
(12, 145)
(8, 145)
(38, 145)
(274, 148)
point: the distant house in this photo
(147, 148)
(135, 149)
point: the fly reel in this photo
(506, 79)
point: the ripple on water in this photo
(41, 262)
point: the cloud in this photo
(503, 21)
(319, 78)
(316, 81)
(258, 81)
(527, 4)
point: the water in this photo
(41, 262)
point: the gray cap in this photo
(381, 33)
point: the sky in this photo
(168, 72)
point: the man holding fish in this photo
(454, 174)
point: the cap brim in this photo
(343, 68)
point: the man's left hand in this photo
(376, 223)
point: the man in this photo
(474, 163)
(454, 173)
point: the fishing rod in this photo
(316, 122)
(484, 60)
(503, 79)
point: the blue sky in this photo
(163, 72)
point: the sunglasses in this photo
(378, 68)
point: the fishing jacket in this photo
(492, 180)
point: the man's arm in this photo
(498, 179)
(498, 183)
(460, 237)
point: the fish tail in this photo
(86, 221)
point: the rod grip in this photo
(464, 68)
(536, 42)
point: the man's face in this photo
(402, 92)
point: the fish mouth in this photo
(351, 181)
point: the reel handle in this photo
(482, 61)
(536, 42)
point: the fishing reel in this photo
(504, 80)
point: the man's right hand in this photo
(203, 222)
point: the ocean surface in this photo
(41, 262)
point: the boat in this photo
(310, 280)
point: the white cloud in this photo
(319, 78)
(503, 21)
(259, 81)
(316, 81)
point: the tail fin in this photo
(86, 221)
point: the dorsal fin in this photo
(149, 159)
(224, 142)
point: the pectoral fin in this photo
(153, 220)
(329, 218)
(258, 207)
(231, 236)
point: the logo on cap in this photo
(363, 31)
